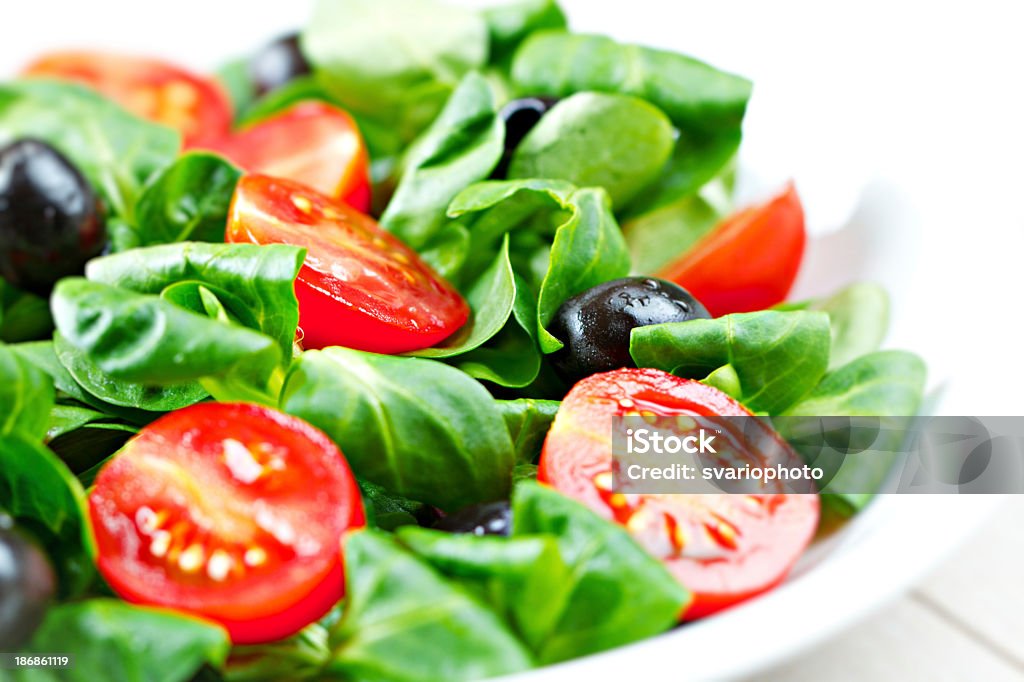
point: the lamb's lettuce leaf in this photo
(528, 421)
(97, 383)
(696, 161)
(461, 147)
(188, 201)
(115, 150)
(567, 582)
(884, 383)
(142, 338)
(616, 593)
(510, 23)
(43, 496)
(681, 223)
(859, 317)
(301, 89)
(524, 579)
(705, 104)
(593, 139)
(404, 621)
(115, 641)
(587, 247)
(43, 355)
(491, 298)
(393, 63)
(26, 396)
(511, 358)
(696, 96)
(259, 279)
(23, 316)
(778, 357)
(885, 386)
(418, 427)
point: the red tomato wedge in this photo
(723, 547)
(232, 512)
(360, 287)
(311, 142)
(749, 261)
(196, 107)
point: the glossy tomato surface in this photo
(723, 547)
(233, 512)
(196, 107)
(360, 287)
(749, 261)
(310, 142)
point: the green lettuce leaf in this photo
(418, 427)
(461, 147)
(118, 642)
(115, 150)
(592, 139)
(777, 356)
(404, 622)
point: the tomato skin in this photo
(196, 107)
(360, 287)
(773, 529)
(264, 529)
(749, 261)
(578, 446)
(311, 142)
(713, 592)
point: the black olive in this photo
(51, 221)
(520, 116)
(277, 64)
(595, 324)
(491, 518)
(27, 585)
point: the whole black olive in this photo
(520, 116)
(491, 518)
(51, 221)
(277, 64)
(595, 325)
(27, 585)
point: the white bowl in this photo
(887, 548)
(876, 556)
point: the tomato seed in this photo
(191, 559)
(160, 544)
(302, 203)
(219, 565)
(255, 556)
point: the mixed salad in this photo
(308, 367)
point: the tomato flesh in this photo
(723, 547)
(313, 143)
(196, 107)
(233, 512)
(749, 261)
(360, 287)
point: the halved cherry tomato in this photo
(723, 547)
(196, 107)
(233, 512)
(360, 286)
(311, 142)
(749, 261)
